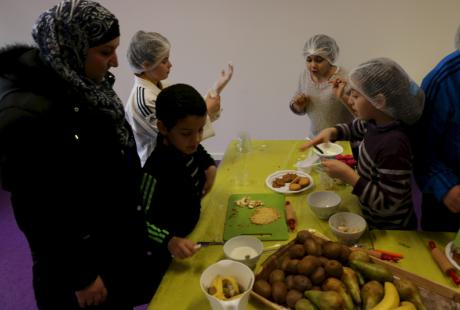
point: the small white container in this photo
(243, 275)
(244, 249)
(324, 203)
(347, 227)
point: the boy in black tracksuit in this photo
(176, 175)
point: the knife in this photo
(208, 243)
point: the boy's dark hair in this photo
(178, 101)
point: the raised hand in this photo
(224, 78)
(300, 102)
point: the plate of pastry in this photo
(289, 181)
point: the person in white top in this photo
(317, 92)
(148, 57)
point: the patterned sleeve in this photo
(384, 186)
(353, 131)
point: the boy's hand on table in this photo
(93, 295)
(452, 199)
(339, 170)
(181, 247)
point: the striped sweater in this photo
(385, 170)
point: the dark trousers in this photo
(436, 216)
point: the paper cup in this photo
(243, 275)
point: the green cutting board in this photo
(238, 221)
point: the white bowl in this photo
(324, 203)
(243, 275)
(347, 227)
(330, 150)
(244, 249)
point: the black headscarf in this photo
(63, 34)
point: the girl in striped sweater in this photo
(386, 101)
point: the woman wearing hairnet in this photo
(386, 101)
(316, 93)
(148, 56)
(68, 158)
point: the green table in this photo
(246, 173)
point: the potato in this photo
(276, 275)
(318, 276)
(332, 250)
(301, 283)
(263, 288)
(292, 297)
(334, 268)
(297, 251)
(307, 265)
(312, 248)
(279, 292)
(302, 236)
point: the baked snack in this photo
(295, 181)
(264, 216)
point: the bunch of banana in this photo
(224, 287)
(390, 298)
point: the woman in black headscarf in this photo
(69, 160)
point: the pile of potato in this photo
(313, 273)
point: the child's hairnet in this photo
(322, 45)
(389, 88)
(146, 50)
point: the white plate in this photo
(285, 188)
(448, 252)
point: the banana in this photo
(224, 288)
(391, 298)
(406, 305)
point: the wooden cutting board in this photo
(238, 221)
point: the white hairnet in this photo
(146, 50)
(321, 45)
(389, 88)
(457, 39)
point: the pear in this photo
(408, 291)
(325, 300)
(371, 294)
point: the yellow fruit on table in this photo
(406, 305)
(390, 299)
(224, 288)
